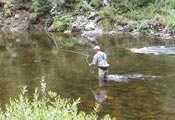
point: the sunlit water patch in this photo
(156, 50)
(127, 77)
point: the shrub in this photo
(142, 27)
(108, 18)
(42, 6)
(96, 3)
(45, 106)
(62, 21)
(84, 6)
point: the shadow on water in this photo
(139, 86)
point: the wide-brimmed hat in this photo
(97, 47)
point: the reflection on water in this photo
(100, 92)
(147, 93)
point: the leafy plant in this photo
(96, 3)
(66, 4)
(42, 6)
(45, 106)
(83, 5)
(108, 17)
(143, 27)
(62, 21)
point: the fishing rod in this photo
(71, 51)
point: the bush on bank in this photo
(46, 106)
(131, 12)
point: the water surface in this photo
(141, 86)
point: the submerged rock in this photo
(117, 78)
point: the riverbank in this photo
(90, 21)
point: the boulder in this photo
(90, 26)
(21, 25)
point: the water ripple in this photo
(126, 77)
(156, 50)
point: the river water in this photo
(140, 84)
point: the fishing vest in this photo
(103, 64)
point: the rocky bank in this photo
(18, 18)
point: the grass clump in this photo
(45, 106)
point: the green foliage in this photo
(141, 3)
(164, 12)
(62, 21)
(107, 12)
(141, 13)
(108, 17)
(124, 6)
(65, 5)
(84, 6)
(33, 17)
(170, 22)
(165, 3)
(96, 3)
(143, 27)
(45, 106)
(62, 12)
(106, 24)
(157, 10)
(42, 6)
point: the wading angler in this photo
(100, 59)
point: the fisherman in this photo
(100, 59)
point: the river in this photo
(140, 84)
